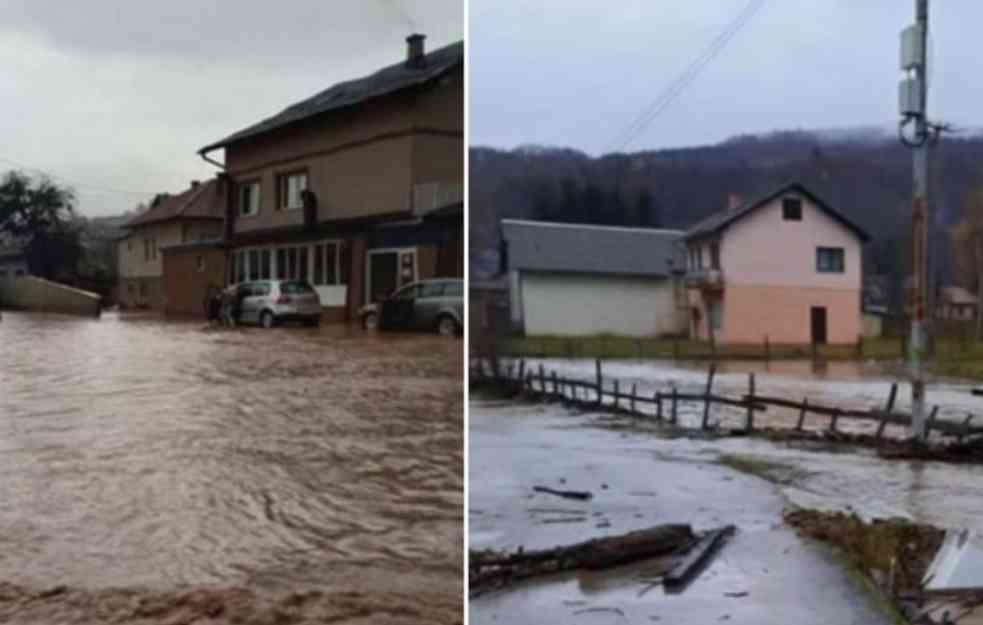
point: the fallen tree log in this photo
(685, 568)
(492, 569)
(569, 494)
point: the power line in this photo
(672, 91)
(73, 183)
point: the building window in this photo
(714, 313)
(715, 256)
(792, 209)
(281, 264)
(830, 260)
(249, 198)
(241, 267)
(254, 264)
(185, 233)
(289, 189)
(264, 265)
(302, 263)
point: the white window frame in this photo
(283, 199)
(255, 198)
(242, 262)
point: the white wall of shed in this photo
(581, 305)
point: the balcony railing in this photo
(704, 278)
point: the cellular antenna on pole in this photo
(912, 101)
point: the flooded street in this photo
(166, 456)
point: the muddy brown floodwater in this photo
(157, 471)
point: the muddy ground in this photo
(161, 472)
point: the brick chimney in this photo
(733, 201)
(415, 54)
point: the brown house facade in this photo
(358, 189)
(192, 216)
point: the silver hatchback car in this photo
(269, 302)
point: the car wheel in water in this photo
(370, 321)
(446, 326)
(266, 319)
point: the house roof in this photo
(716, 223)
(583, 248)
(204, 201)
(385, 81)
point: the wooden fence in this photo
(611, 395)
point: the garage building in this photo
(581, 280)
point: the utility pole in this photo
(913, 100)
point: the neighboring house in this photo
(955, 303)
(191, 216)
(13, 263)
(576, 279)
(784, 267)
(358, 189)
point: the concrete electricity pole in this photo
(913, 99)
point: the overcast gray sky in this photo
(576, 73)
(116, 95)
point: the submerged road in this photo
(142, 459)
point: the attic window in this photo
(792, 209)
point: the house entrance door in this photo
(389, 270)
(818, 325)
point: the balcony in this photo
(705, 279)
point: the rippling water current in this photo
(163, 456)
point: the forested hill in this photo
(865, 173)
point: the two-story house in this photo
(358, 189)
(785, 267)
(194, 215)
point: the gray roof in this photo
(717, 222)
(344, 94)
(582, 248)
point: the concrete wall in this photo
(38, 294)
(580, 305)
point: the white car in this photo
(269, 302)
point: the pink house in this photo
(785, 267)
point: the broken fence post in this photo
(750, 404)
(834, 419)
(617, 403)
(556, 388)
(658, 406)
(706, 396)
(634, 390)
(802, 414)
(673, 415)
(887, 410)
(965, 431)
(931, 420)
(522, 369)
(600, 381)
(542, 379)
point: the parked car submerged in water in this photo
(271, 302)
(434, 305)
